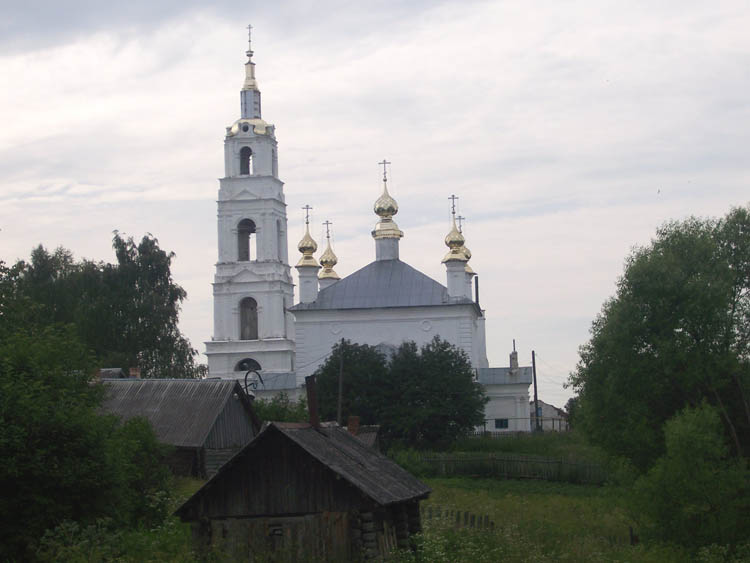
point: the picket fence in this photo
(458, 518)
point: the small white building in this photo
(257, 326)
(550, 417)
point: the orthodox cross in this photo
(307, 209)
(327, 223)
(460, 220)
(453, 199)
(249, 34)
(384, 163)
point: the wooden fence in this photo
(511, 466)
(457, 518)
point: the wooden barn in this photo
(207, 421)
(306, 492)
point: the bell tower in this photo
(252, 286)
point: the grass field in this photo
(535, 521)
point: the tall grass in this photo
(534, 521)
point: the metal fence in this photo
(523, 425)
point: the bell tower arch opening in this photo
(246, 161)
(246, 241)
(248, 319)
(247, 364)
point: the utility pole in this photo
(341, 382)
(537, 427)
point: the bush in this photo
(281, 408)
(62, 460)
(696, 494)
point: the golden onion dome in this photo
(385, 206)
(328, 260)
(454, 240)
(307, 246)
(467, 254)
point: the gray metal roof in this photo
(383, 283)
(181, 411)
(368, 470)
(502, 376)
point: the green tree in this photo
(432, 397)
(423, 397)
(281, 408)
(676, 334)
(696, 494)
(365, 374)
(126, 313)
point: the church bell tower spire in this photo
(250, 94)
(252, 286)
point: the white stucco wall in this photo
(317, 331)
(511, 402)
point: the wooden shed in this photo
(306, 493)
(207, 421)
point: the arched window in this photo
(246, 160)
(248, 319)
(247, 364)
(245, 239)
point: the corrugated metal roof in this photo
(181, 411)
(383, 283)
(368, 470)
(502, 376)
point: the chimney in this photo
(514, 359)
(312, 401)
(353, 425)
(135, 373)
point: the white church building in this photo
(257, 325)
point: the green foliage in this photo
(433, 398)
(126, 313)
(104, 540)
(281, 408)
(569, 446)
(676, 333)
(365, 376)
(424, 397)
(696, 494)
(62, 460)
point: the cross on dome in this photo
(384, 162)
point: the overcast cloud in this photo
(570, 131)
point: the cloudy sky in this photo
(570, 130)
